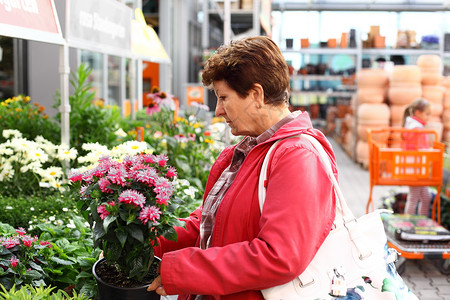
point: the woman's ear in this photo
(257, 93)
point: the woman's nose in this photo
(219, 109)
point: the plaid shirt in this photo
(225, 180)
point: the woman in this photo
(229, 250)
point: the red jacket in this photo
(251, 251)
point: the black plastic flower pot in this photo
(107, 291)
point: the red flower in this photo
(14, 261)
(21, 231)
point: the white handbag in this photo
(354, 261)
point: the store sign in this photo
(30, 19)
(100, 25)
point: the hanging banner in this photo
(101, 26)
(35, 20)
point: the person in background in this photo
(229, 249)
(415, 117)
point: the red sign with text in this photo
(32, 14)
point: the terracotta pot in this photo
(304, 43)
(372, 78)
(367, 94)
(397, 112)
(429, 61)
(436, 110)
(107, 291)
(405, 73)
(433, 93)
(332, 43)
(379, 41)
(369, 114)
(446, 81)
(401, 94)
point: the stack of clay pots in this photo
(405, 86)
(432, 89)
(446, 110)
(372, 112)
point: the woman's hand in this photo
(156, 286)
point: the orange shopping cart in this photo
(394, 160)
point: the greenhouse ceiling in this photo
(384, 5)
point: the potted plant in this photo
(129, 203)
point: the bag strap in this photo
(341, 204)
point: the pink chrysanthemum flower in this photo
(132, 197)
(20, 231)
(191, 136)
(148, 176)
(102, 211)
(162, 159)
(103, 183)
(118, 176)
(163, 198)
(46, 243)
(134, 171)
(14, 261)
(27, 240)
(149, 158)
(75, 176)
(10, 242)
(171, 172)
(149, 213)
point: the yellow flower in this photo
(209, 141)
(18, 109)
(147, 126)
(4, 103)
(26, 99)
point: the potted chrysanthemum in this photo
(129, 204)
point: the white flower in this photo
(129, 148)
(120, 133)
(64, 153)
(51, 174)
(37, 154)
(52, 218)
(7, 133)
(191, 191)
(6, 171)
(71, 225)
(9, 207)
(32, 208)
(5, 150)
(59, 222)
(44, 184)
(34, 166)
(65, 209)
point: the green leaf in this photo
(108, 220)
(35, 266)
(98, 232)
(170, 234)
(137, 233)
(61, 261)
(137, 267)
(185, 167)
(121, 235)
(33, 274)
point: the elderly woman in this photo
(229, 249)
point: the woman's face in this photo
(240, 113)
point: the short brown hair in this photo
(245, 62)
